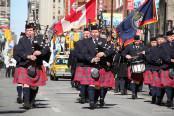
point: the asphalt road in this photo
(59, 99)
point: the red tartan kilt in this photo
(21, 76)
(135, 77)
(156, 79)
(83, 75)
(165, 79)
(147, 75)
(106, 79)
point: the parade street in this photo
(59, 99)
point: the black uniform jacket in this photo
(25, 48)
(158, 57)
(133, 51)
(79, 53)
(91, 49)
(153, 59)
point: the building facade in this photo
(33, 10)
(45, 12)
(4, 14)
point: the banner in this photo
(145, 14)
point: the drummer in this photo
(135, 53)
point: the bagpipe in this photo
(106, 48)
(100, 47)
(39, 43)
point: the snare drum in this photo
(137, 67)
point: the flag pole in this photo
(165, 17)
(112, 5)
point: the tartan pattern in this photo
(21, 76)
(107, 79)
(83, 75)
(147, 75)
(165, 79)
(134, 77)
(156, 79)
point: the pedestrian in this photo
(120, 69)
(7, 63)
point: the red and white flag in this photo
(72, 7)
(82, 16)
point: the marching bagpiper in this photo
(148, 72)
(158, 58)
(167, 77)
(89, 74)
(151, 75)
(30, 52)
(106, 79)
(79, 53)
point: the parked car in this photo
(59, 68)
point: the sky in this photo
(18, 16)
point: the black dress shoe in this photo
(122, 92)
(134, 96)
(169, 104)
(102, 103)
(27, 106)
(153, 100)
(159, 102)
(82, 100)
(92, 105)
(34, 105)
(19, 100)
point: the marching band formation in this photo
(98, 60)
(95, 62)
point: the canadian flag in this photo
(82, 16)
(72, 6)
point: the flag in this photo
(82, 16)
(145, 14)
(8, 35)
(72, 6)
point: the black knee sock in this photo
(133, 88)
(33, 93)
(103, 92)
(26, 92)
(82, 91)
(19, 91)
(169, 93)
(91, 93)
(96, 95)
